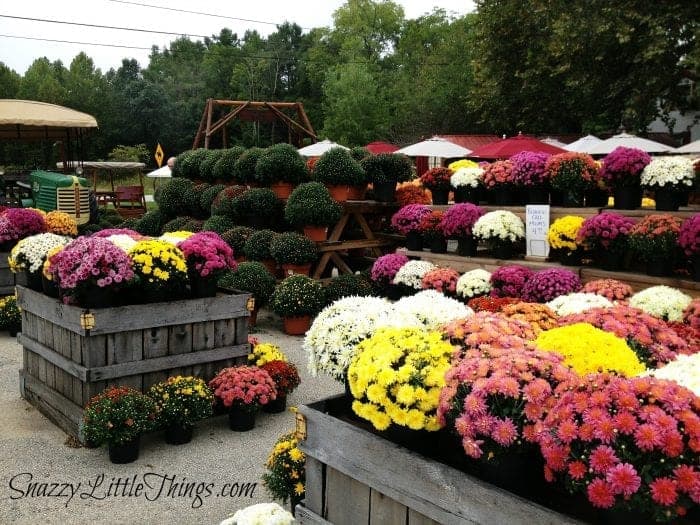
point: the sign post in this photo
(536, 227)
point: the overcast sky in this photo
(19, 53)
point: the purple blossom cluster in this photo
(624, 166)
(385, 267)
(90, 261)
(119, 231)
(604, 229)
(459, 219)
(548, 284)
(18, 223)
(529, 168)
(408, 218)
(689, 237)
(508, 281)
(207, 253)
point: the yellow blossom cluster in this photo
(61, 223)
(47, 263)
(157, 260)
(286, 468)
(266, 352)
(562, 233)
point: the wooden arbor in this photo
(219, 113)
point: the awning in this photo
(32, 120)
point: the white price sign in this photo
(536, 227)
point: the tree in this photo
(9, 82)
(44, 81)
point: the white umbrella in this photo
(584, 144)
(160, 173)
(629, 141)
(693, 147)
(554, 142)
(435, 147)
(319, 148)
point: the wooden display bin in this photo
(355, 476)
(8, 279)
(71, 354)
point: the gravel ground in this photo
(34, 450)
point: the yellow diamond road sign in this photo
(159, 155)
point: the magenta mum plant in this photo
(549, 284)
(689, 237)
(385, 267)
(607, 231)
(18, 223)
(207, 254)
(408, 218)
(459, 219)
(246, 387)
(529, 168)
(623, 166)
(508, 281)
(119, 231)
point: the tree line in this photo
(556, 66)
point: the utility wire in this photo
(74, 42)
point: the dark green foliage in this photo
(218, 224)
(236, 238)
(257, 247)
(252, 277)
(388, 167)
(198, 191)
(207, 198)
(257, 201)
(223, 169)
(131, 223)
(336, 166)
(292, 248)
(193, 225)
(280, 163)
(110, 216)
(89, 229)
(297, 296)
(225, 201)
(150, 224)
(244, 168)
(311, 204)
(182, 164)
(358, 153)
(191, 169)
(177, 224)
(347, 285)
(206, 166)
(175, 197)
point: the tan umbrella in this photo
(629, 141)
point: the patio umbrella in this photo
(377, 147)
(435, 147)
(584, 144)
(505, 148)
(629, 141)
(160, 173)
(693, 147)
(554, 142)
(318, 149)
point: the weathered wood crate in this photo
(354, 476)
(72, 354)
(8, 279)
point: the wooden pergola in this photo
(219, 113)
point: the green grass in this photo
(129, 180)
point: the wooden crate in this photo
(72, 354)
(8, 280)
(354, 476)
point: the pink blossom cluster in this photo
(605, 230)
(529, 168)
(508, 281)
(628, 442)
(623, 166)
(493, 399)
(18, 223)
(652, 339)
(459, 219)
(409, 217)
(385, 267)
(689, 334)
(691, 314)
(243, 386)
(499, 173)
(611, 289)
(549, 284)
(119, 231)
(207, 253)
(488, 330)
(444, 280)
(90, 260)
(689, 236)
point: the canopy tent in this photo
(32, 120)
(584, 144)
(505, 148)
(554, 142)
(629, 141)
(377, 147)
(319, 148)
(161, 173)
(435, 147)
(693, 147)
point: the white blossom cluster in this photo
(661, 301)
(466, 177)
(29, 253)
(684, 370)
(576, 303)
(260, 514)
(411, 274)
(672, 171)
(473, 283)
(499, 225)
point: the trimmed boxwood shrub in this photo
(206, 166)
(336, 166)
(150, 223)
(280, 163)
(190, 168)
(182, 163)
(252, 277)
(207, 198)
(223, 168)
(218, 224)
(177, 224)
(175, 197)
(387, 167)
(257, 201)
(347, 285)
(292, 248)
(110, 216)
(311, 204)
(257, 247)
(236, 238)
(89, 229)
(297, 296)
(244, 168)
(225, 201)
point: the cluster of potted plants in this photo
(285, 478)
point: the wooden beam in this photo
(53, 357)
(207, 134)
(254, 104)
(225, 120)
(290, 121)
(305, 119)
(200, 130)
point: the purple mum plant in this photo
(207, 254)
(529, 168)
(623, 166)
(459, 219)
(606, 231)
(18, 223)
(508, 281)
(689, 237)
(408, 218)
(385, 267)
(548, 284)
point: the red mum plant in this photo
(691, 314)
(631, 443)
(498, 174)
(431, 225)
(508, 281)
(611, 289)
(655, 236)
(411, 193)
(444, 280)
(688, 334)
(284, 374)
(487, 303)
(437, 179)
(246, 387)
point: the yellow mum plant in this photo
(396, 377)
(588, 350)
(264, 353)
(159, 268)
(286, 467)
(562, 233)
(462, 163)
(61, 223)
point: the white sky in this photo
(18, 54)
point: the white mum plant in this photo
(432, 308)
(260, 514)
(29, 253)
(411, 274)
(661, 301)
(684, 370)
(669, 171)
(499, 225)
(473, 283)
(466, 177)
(123, 241)
(576, 303)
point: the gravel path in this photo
(33, 450)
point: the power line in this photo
(74, 42)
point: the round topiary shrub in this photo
(150, 223)
(257, 201)
(297, 296)
(252, 277)
(175, 225)
(182, 164)
(89, 229)
(225, 201)
(110, 216)
(175, 197)
(387, 167)
(218, 224)
(292, 248)
(206, 166)
(198, 190)
(193, 225)
(358, 153)
(336, 166)
(130, 224)
(244, 168)
(257, 247)
(190, 168)
(280, 163)
(236, 238)
(223, 168)
(347, 285)
(207, 198)
(311, 204)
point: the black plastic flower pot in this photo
(666, 199)
(127, 452)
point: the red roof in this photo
(379, 146)
(504, 148)
(471, 142)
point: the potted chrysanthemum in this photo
(407, 221)
(297, 299)
(563, 239)
(501, 230)
(654, 240)
(668, 177)
(689, 241)
(606, 234)
(207, 256)
(466, 181)
(622, 169)
(458, 223)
